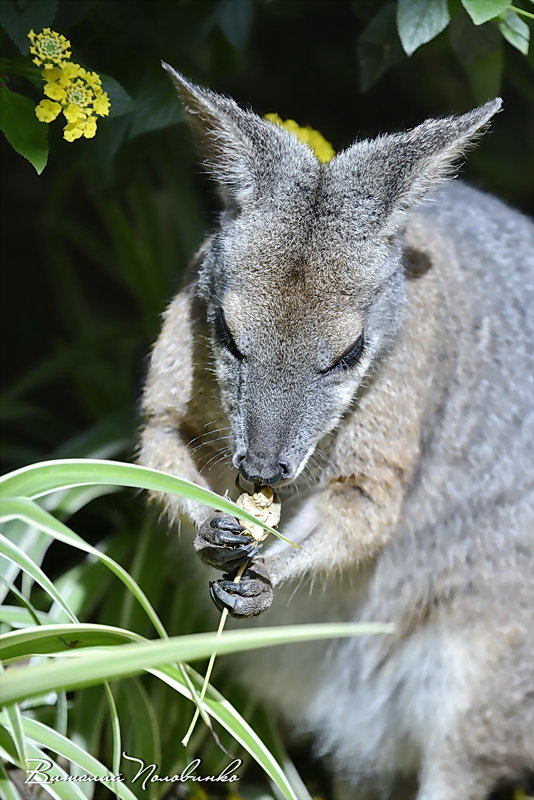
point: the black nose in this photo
(259, 470)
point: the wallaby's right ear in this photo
(248, 157)
(385, 177)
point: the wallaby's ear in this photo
(249, 157)
(386, 176)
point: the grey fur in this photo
(421, 512)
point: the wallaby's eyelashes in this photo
(338, 307)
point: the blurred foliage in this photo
(95, 246)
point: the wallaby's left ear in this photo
(388, 175)
(251, 159)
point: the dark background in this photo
(95, 246)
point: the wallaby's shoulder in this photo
(482, 224)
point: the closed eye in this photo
(349, 358)
(224, 337)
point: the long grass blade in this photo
(59, 787)
(14, 717)
(7, 787)
(131, 659)
(116, 739)
(21, 508)
(12, 553)
(40, 479)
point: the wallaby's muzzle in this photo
(260, 468)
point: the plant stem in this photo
(209, 670)
(521, 11)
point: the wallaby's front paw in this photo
(222, 543)
(249, 596)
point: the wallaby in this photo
(359, 334)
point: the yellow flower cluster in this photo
(71, 89)
(48, 47)
(322, 149)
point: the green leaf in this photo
(63, 789)
(121, 101)
(140, 723)
(470, 42)
(22, 129)
(24, 602)
(480, 51)
(481, 11)
(25, 509)
(419, 21)
(46, 638)
(39, 734)
(12, 553)
(86, 719)
(18, 19)
(515, 31)
(235, 18)
(15, 722)
(156, 106)
(15, 66)
(8, 751)
(29, 540)
(378, 47)
(485, 75)
(131, 659)
(21, 617)
(115, 730)
(7, 787)
(221, 710)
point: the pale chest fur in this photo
(370, 712)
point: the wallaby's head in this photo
(303, 279)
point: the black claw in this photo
(247, 597)
(224, 544)
(214, 594)
(233, 538)
(234, 604)
(231, 558)
(226, 524)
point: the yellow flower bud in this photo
(72, 131)
(101, 105)
(54, 91)
(89, 127)
(70, 71)
(73, 113)
(48, 47)
(47, 111)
